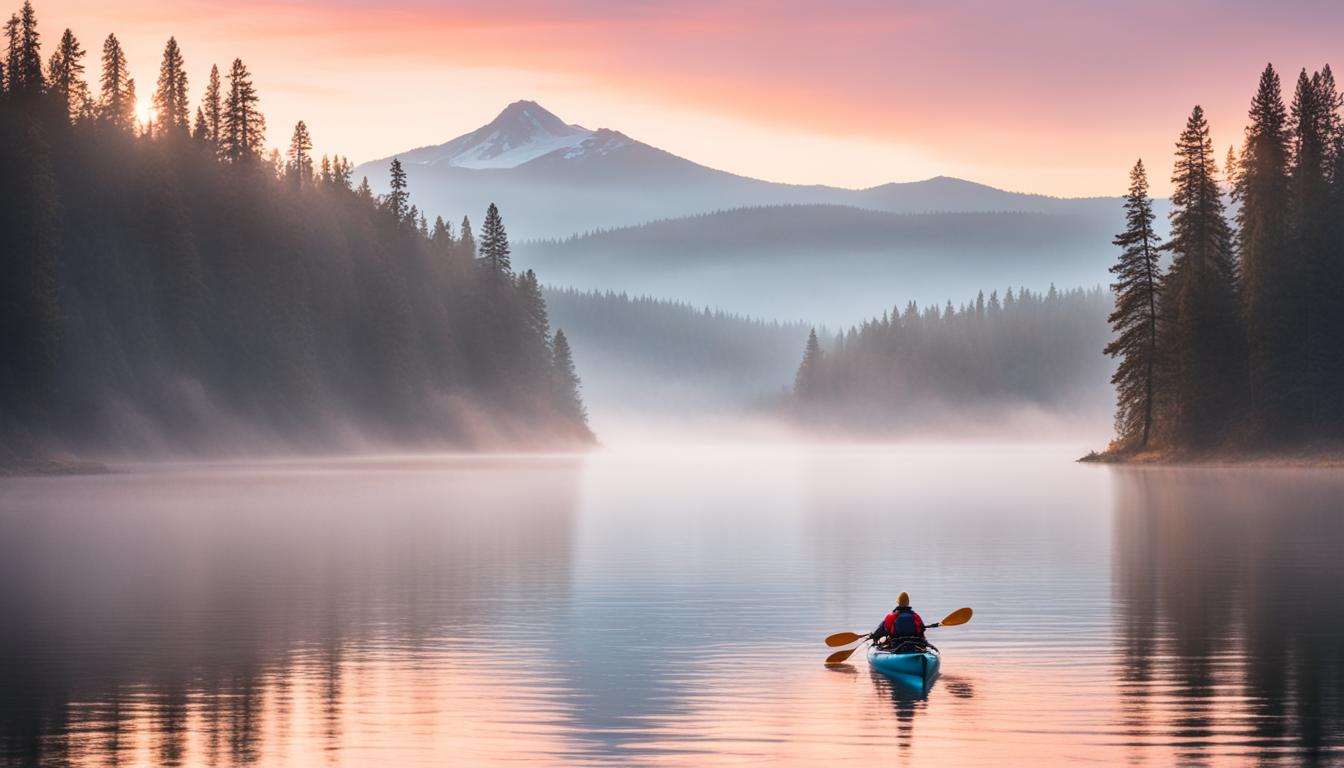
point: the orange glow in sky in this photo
(1048, 97)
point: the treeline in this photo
(675, 336)
(1026, 349)
(168, 285)
(1239, 340)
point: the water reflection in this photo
(668, 610)
(1228, 600)
(165, 619)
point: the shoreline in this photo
(1306, 457)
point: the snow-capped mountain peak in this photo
(524, 131)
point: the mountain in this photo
(553, 179)
(828, 264)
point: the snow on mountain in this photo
(552, 179)
(523, 132)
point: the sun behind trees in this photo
(1248, 331)
(168, 289)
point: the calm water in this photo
(667, 607)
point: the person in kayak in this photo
(901, 624)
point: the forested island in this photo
(1230, 335)
(932, 367)
(170, 287)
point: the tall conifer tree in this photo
(1199, 296)
(1264, 240)
(1135, 319)
(243, 128)
(24, 57)
(300, 160)
(807, 381)
(570, 402)
(171, 110)
(66, 75)
(398, 198)
(495, 243)
(213, 107)
(116, 102)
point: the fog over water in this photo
(665, 605)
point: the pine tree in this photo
(365, 192)
(324, 171)
(171, 110)
(466, 242)
(243, 128)
(66, 75)
(569, 399)
(342, 170)
(1309, 185)
(442, 234)
(1199, 296)
(1135, 318)
(398, 198)
(116, 103)
(24, 58)
(300, 165)
(495, 243)
(213, 107)
(11, 68)
(534, 308)
(200, 130)
(1264, 240)
(807, 382)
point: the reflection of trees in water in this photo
(148, 607)
(1228, 589)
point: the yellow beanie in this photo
(903, 601)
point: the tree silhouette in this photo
(212, 108)
(66, 75)
(806, 383)
(24, 60)
(570, 402)
(171, 111)
(300, 164)
(242, 127)
(1199, 294)
(398, 199)
(1264, 246)
(494, 245)
(1135, 319)
(116, 102)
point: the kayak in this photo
(911, 665)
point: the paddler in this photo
(901, 624)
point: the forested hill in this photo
(832, 264)
(168, 288)
(973, 366)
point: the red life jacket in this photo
(904, 622)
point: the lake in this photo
(667, 606)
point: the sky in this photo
(1051, 97)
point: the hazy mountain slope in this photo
(830, 264)
(552, 179)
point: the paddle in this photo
(953, 619)
(843, 638)
(840, 656)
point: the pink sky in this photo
(1052, 97)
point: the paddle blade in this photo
(843, 638)
(839, 656)
(959, 616)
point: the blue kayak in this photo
(917, 666)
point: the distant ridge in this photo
(553, 179)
